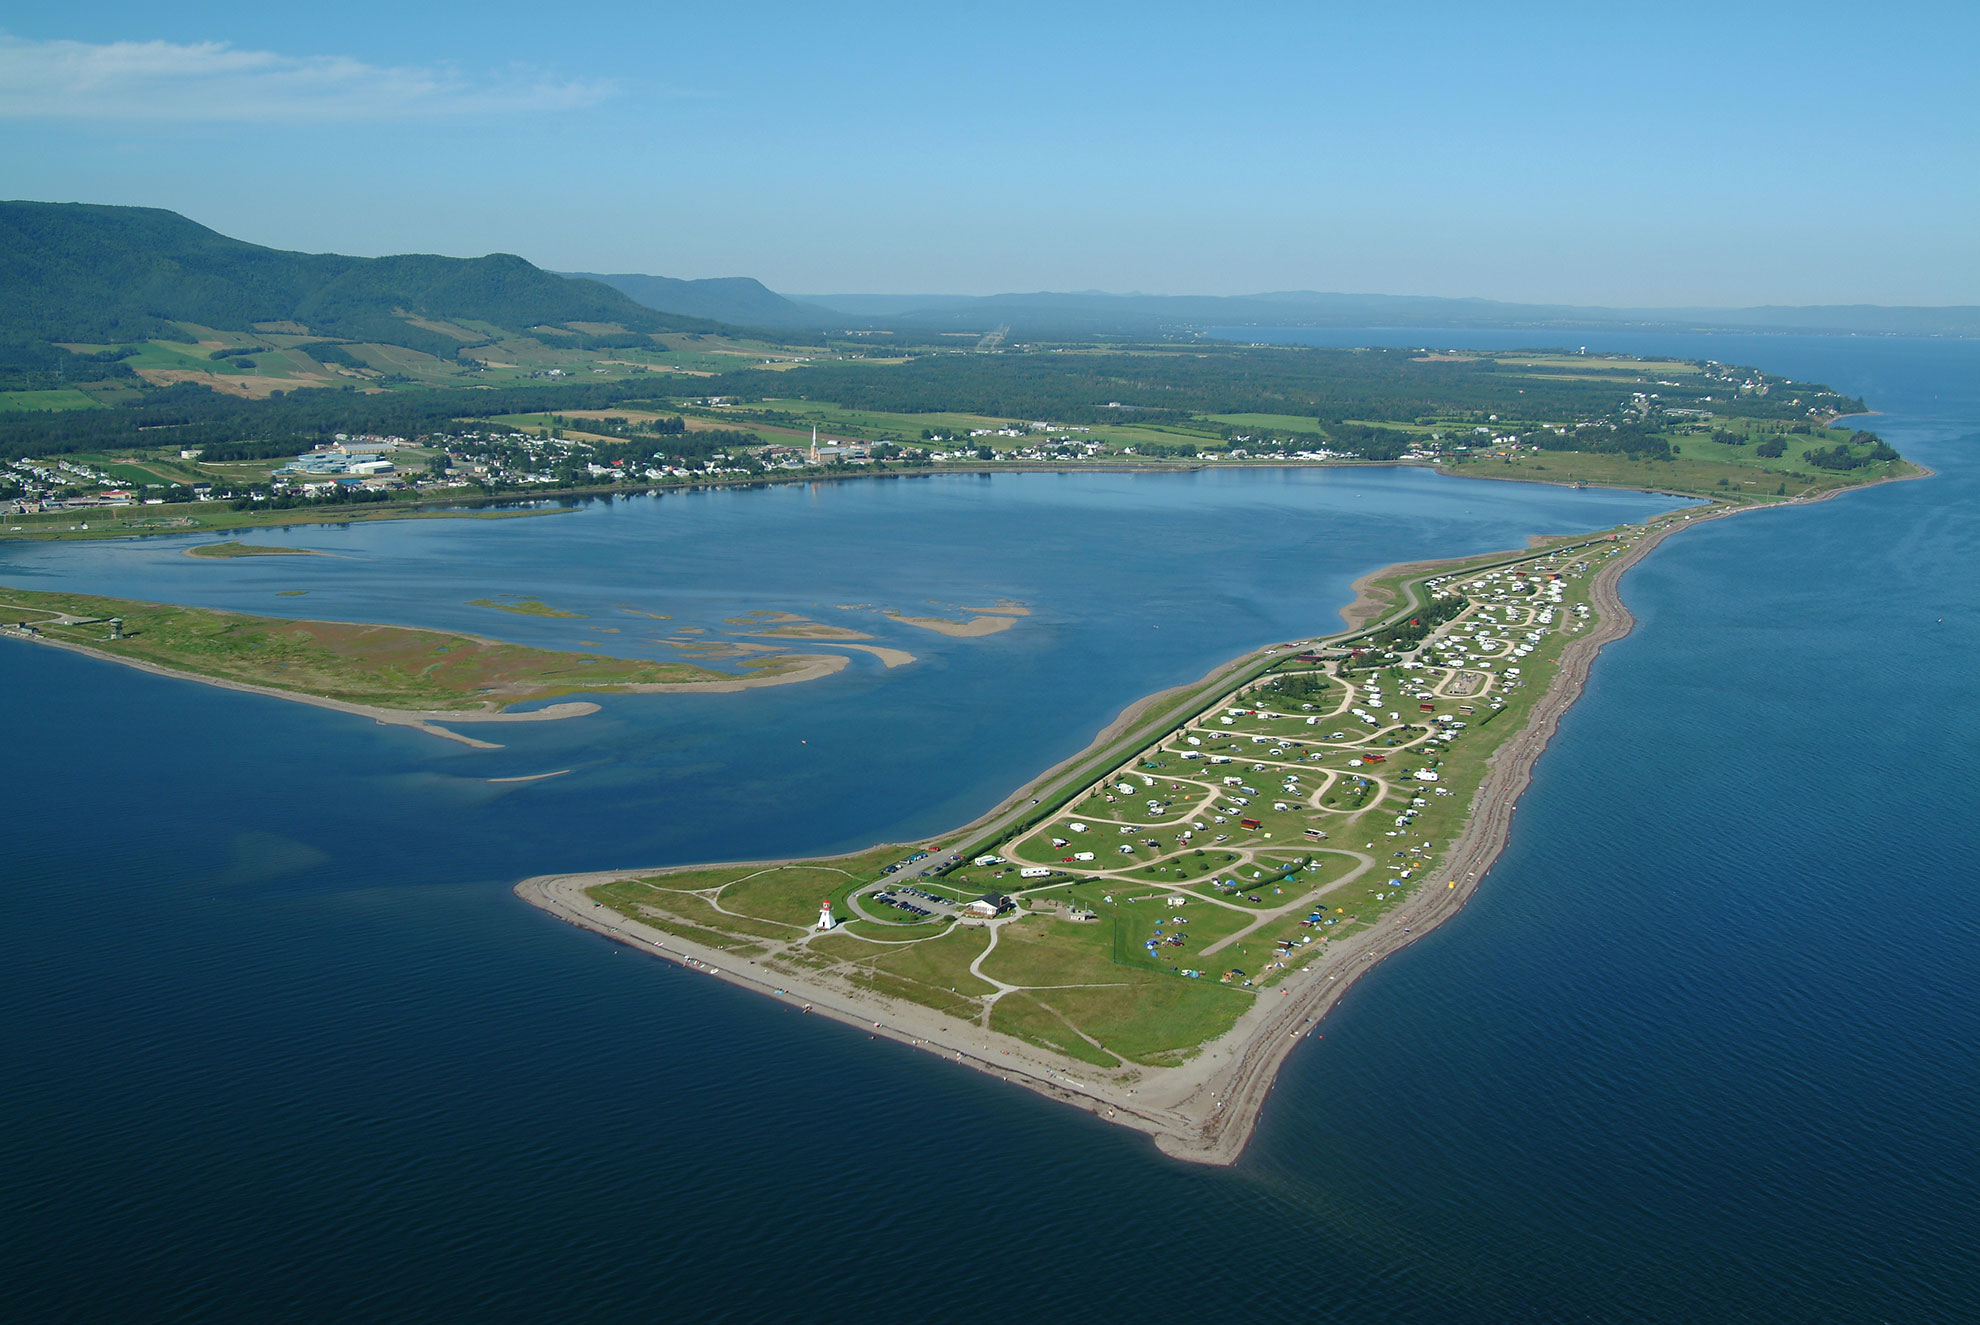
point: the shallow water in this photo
(280, 1040)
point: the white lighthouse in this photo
(826, 920)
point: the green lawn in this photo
(790, 894)
(62, 398)
(123, 471)
(1288, 423)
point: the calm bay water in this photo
(280, 1041)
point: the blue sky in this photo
(1656, 155)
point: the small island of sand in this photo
(973, 628)
(233, 548)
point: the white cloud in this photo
(214, 82)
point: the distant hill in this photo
(1093, 313)
(740, 300)
(76, 272)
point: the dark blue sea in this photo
(280, 1044)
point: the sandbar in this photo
(891, 657)
(970, 629)
(231, 549)
(803, 629)
(790, 669)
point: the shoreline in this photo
(519, 504)
(1206, 1109)
(811, 667)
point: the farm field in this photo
(60, 399)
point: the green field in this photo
(134, 471)
(799, 416)
(60, 399)
(1702, 467)
(388, 666)
(870, 425)
(509, 360)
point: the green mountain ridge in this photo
(80, 272)
(740, 300)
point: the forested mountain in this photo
(104, 275)
(741, 300)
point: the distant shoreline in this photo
(497, 505)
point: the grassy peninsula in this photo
(383, 667)
(1148, 929)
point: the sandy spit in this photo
(806, 667)
(1205, 1110)
(891, 657)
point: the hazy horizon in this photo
(1689, 158)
